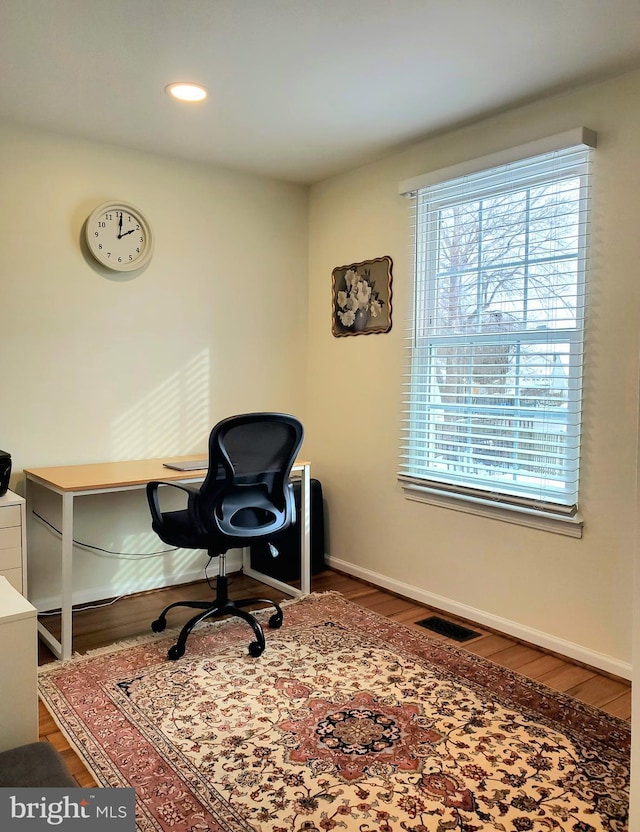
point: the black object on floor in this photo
(447, 628)
(286, 566)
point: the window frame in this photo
(452, 491)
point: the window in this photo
(494, 387)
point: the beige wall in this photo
(99, 366)
(571, 594)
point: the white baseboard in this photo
(521, 632)
(96, 594)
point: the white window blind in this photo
(494, 383)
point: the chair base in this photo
(220, 606)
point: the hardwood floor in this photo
(131, 617)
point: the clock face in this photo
(119, 236)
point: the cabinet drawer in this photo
(11, 537)
(9, 516)
(10, 558)
(14, 576)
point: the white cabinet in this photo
(13, 541)
(19, 679)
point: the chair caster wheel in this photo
(275, 622)
(158, 625)
(175, 652)
(255, 649)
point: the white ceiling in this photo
(299, 89)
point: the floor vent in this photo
(447, 628)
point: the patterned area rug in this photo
(348, 721)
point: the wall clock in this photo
(119, 236)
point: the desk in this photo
(71, 481)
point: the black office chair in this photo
(246, 496)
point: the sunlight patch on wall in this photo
(171, 419)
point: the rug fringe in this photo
(108, 648)
(310, 595)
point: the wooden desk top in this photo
(114, 475)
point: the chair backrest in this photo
(247, 492)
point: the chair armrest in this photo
(154, 500)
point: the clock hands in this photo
(120, 234)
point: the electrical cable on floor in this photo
(81, 609)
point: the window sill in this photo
(569, 526)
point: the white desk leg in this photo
(305, 530)
(67, 573)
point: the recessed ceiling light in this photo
(185, 91)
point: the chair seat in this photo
(178, 529)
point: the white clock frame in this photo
(113, 250)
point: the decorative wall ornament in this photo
(361, 297)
